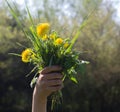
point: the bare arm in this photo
(48, 81)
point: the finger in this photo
(55, 88)
(51, 69)
(51, 83)
(52, 76)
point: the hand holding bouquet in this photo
(49, 81)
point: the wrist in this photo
(38, 97)
(38, 102)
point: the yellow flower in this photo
(52, 36)
(26, 55)
(58, 41)
(42, 29)
(66, 45)
(45, 37)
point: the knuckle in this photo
(59, 81)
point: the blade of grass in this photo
(79, 30)
(15, 54)
(21, 45)
(30, 17)
(12, 11)
(16, 18)
(31, 71)
(36, 40)
(77, 35)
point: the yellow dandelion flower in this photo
(45, 37)
(58, 41)
(26, 55)
(42, 29)
(66, 45)
(33, 56)
(52, 36)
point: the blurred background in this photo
(99, 87)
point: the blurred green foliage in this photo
(98, 89)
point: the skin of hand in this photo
(49, 80)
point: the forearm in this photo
(47, 83)
(38, 103)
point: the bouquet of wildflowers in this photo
(49, 48)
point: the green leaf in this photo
(82, 69)
(33, 82)
(51, 60)
(73, 79)
(84, 62)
